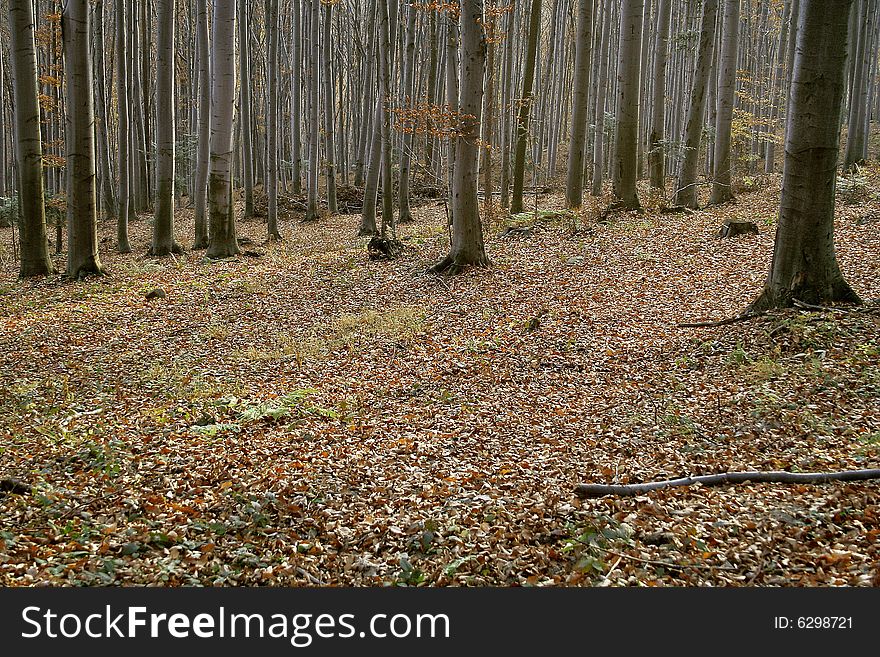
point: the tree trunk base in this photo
(200, 244)
(452, 265)
(366, 231)
(773, 297)
(175, 249)
(88, 268)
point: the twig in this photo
(653, 562)
(305, 573)
(803, 305)
(777, 477)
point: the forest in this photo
(440, 293)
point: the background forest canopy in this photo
(387, 292)
(334, 101)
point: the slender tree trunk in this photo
(385, 127)
(223, 241)
(314, 129)
(656, 148)
(296, 97)
(625, 161)
(722, 184)
(204, 145)
(163, 219)
(246, 103)
(601, 90)
(107, 195)
(273, 29)
(856, 134)
(467, 233)
(404, 212)
(804, 265)
(778, 89)
(28, 141)
(329, 111)
(525, 105)
(574, 185)
(686, 194)
(123, 130)
(82, 201)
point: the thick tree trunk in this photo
(163, 219)
(467, 232)
(624, 163)
(82, 201)
(722, 189)
(686, 194)
(574, 184)
(223, 242)
(203, 156)
(28, 142)
(804, 265)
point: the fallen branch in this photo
(803, 305)
(783, 477)
(723, 322)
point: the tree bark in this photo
(574, 183)
(525, 107)
(28, 143)
(82, 201)
(203, 157)
(722, 189)
(467, 232)
(804, 262)
(314, 129)
(163, 219)
(624, 163)
(686, 195)
(656, 148)
(223, 241)
(272, 28)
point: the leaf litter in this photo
(313, 417)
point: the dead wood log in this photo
(774, 477)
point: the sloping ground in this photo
(314, 417)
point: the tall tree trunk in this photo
(246, 103)
(625, 161)
(722, 184)
(123, 130)
(272, 28)
(28, 141)
(385, 128)
(82, 201)
(574, 185)
(467, 232)
(778, 88)
(525, 105)
(296, 97)
(107, 195)
(656, 149)
(404, 212)
(686, 195)
(203, 156)
(163, 219)
(329, 111)
(314, 129)
(223, 241)
(856, 134)
(804, 265)
(601, 90)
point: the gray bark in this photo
(574, 184)
(625, 161)
(722, 189)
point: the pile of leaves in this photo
(317, 417)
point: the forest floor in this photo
(314, 417)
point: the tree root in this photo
(775, 477)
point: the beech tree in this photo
(574, 185)
(722, 183)
(625, 163)
(203, 155)
(467, 232)
(82, 201)
(525, 106)
(163, 220)
(223, 242)
(804, 265)
(35, 259)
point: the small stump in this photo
(733, 228)
(384, 249)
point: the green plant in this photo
(852, 188)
